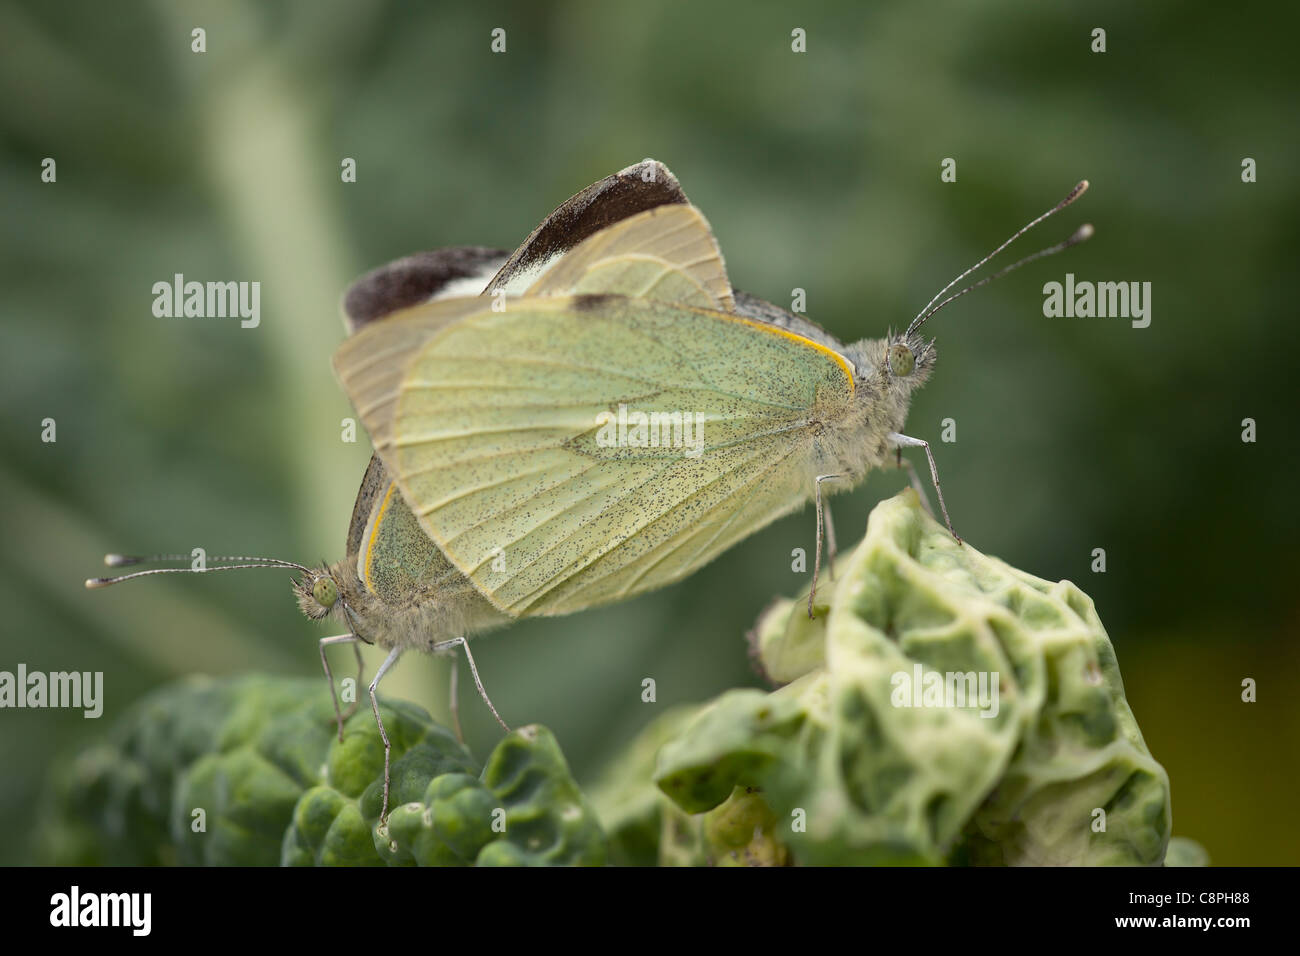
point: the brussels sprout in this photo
(626, 799)
(944, 708)
(250, 771)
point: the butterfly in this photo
(491, 413)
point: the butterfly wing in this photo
(422, 277)
(520, 492)
(492, 426)
(666, 253)
(640, 187)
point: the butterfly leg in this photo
(904, 441)
(361, 675)
(832, 549)
(329, 676)
(473, 669)
(817, 555)
(389, 661)
(453, 695)
(914, 480)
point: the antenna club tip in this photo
(1074, 194)
(94, 583)
(1084, 232)
(117, 560)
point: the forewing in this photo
(641, 186)
(668, 253)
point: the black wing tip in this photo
(413, 279)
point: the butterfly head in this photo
(908, 359)
(318, 593)
(898, 363)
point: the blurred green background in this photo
(817, 170)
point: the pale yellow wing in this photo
(375, 362)
(496, 427)
(667, 253)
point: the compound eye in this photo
(901, 359)
(325, 591)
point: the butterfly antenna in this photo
(1082, 234)
(121, 560)
(244, 561)
(1078, 237)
